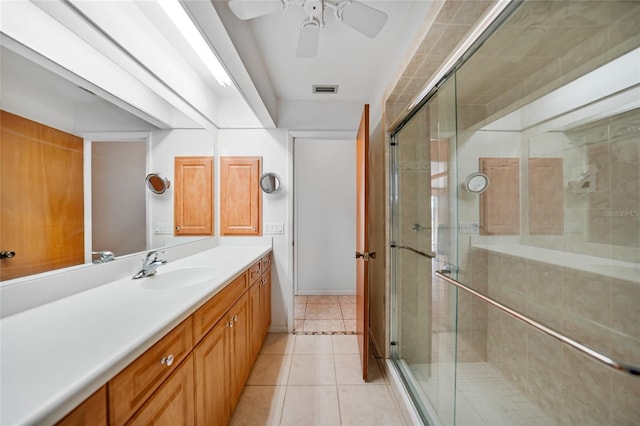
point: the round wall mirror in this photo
(270, 183)
(156, 183)
(477, 183)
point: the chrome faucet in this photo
(105, 256)
(151, 262)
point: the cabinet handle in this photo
(235, 318)
(230, 323)
(167, 360)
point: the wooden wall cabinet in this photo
(193, 196)
(240, 197)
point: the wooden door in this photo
(41, 197)
(172, 404)
(362, 241)
(193, 196)
(212, 360)
(240, 197)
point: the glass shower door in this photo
(424, 323)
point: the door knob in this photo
(366, 256)
(7, 254)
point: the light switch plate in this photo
(468, 227)
(162, 228)
(274, 228)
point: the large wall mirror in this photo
(63, 142)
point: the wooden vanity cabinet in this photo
(223, 365)
(196, 372)
(265, 296)
(172, 403)
(134, 385)
(212, 380)
(93, 411)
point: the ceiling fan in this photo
(362, 18)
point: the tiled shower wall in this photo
(595, 310)
(614, 207)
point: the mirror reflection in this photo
(270, 183)
(67, 195)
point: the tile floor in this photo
(314, 380)
(325, 314)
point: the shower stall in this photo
(515, 200)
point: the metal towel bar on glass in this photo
(421, 253)
(630, 369)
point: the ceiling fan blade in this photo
(308, 39)
(362, 18)
(249, 9)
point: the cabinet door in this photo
(93, 411)
(193, 196)
(265, 300)
(256, 307)
(240, 198)
(172, 404)
(212, 360)
(240, 353)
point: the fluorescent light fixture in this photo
(185, 25)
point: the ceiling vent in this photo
(317, 88)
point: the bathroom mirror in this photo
(270, 183)
(61, 104)
(157, 184)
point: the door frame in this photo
(97, 137)
(289, 299)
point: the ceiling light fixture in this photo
(362, 18)
(176, 13)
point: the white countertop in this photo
(56, 355)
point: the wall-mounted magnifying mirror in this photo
(477, 183)
(270, 183)
(156, 183)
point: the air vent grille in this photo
(323, 88)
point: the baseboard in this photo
(325, 292)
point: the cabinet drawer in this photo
(211, 312)
(265, 263)
(254, 273)
(132, 386)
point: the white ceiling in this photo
(362, 67)
(260, 54)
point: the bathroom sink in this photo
(179, 278)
